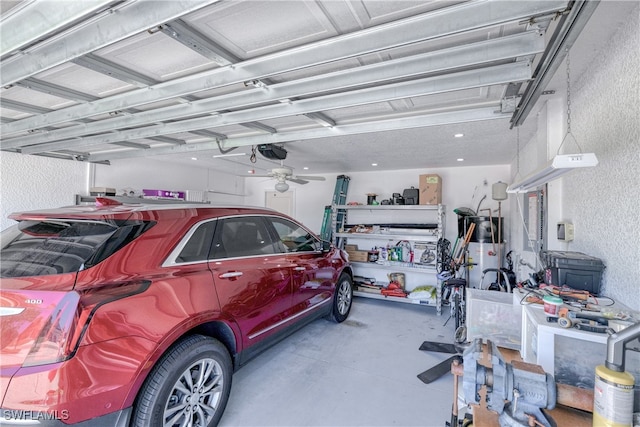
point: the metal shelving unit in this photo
(431, 217)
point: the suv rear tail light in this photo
(56, 340)
(64, 324)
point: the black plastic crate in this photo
(574, 269)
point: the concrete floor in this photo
(358, 373)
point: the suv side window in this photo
(293, 237)
(242, 236)
(198, 246)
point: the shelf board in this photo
(397, 266)
(389, 207)
(429, 303)
(389, 236)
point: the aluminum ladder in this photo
(332, 223)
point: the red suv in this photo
(137, 315)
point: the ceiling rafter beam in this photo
(55, 90)
(472, 54)
(499, 74)
(77, 155)
(128, 20)
(210, 134)
(29, 23)
(259, 127)
(168, 140)
(188, 36)
(102, 66)
(426, 120)
(321, 118)
(443, 22)
(72, 158)
(130, 144)
(21, 106)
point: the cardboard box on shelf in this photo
(355, 254)
(358, 256)
(430, 189)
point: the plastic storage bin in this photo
(494, 315)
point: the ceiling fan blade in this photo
(310, 178)
(297, 180)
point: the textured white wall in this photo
(602, 202)
(32, 182)
(605, 204)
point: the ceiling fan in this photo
(283, 174)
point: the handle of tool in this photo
(454, 409)
(465, 243)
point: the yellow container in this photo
(612, 398)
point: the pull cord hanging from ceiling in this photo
(569, 109)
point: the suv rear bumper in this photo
(21, 417)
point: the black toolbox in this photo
(410, 196)
(573, 269)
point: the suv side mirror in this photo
(326, 246)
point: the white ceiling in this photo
(340, 84)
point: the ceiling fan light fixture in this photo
(282, 187)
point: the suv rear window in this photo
(38, 248)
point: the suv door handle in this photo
(299, 268)
(230, 274)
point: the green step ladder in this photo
(339, 198)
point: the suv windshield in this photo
(38, 248)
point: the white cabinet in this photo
(404, 240)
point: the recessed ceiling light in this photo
(460, 160)
(305, 168)
(458, 135)
(251, 171)
(374, 164)
(194, 158)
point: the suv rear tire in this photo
(190, 384)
